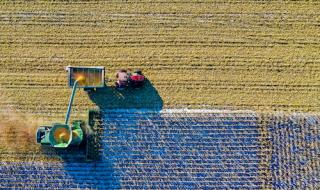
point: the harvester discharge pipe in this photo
(71, 99)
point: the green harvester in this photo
(64, 135)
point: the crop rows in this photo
(181, 148)
(295, 158)
(152, 149)
(251, 55)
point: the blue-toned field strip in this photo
(185, 149)
(295, 160)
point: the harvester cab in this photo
(64, 135)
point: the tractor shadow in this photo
(146, 97)
(109, 98)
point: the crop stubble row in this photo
(252, 55)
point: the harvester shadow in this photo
(109, 98)
(81, 173)
(86, 169)
(100, 173)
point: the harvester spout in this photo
(63, 135)
(74, 88)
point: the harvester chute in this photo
(78, 132)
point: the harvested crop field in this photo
(224, 54)
(231, 101)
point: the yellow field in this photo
(223, 54)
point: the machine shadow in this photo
(86, 169)
(80, 173)
(108, 99)
(99, 168)
(146, 97)
(103, 172)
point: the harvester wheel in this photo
(93, 144)
(41, 133)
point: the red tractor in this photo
(127, 79)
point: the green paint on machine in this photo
(78, 132)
